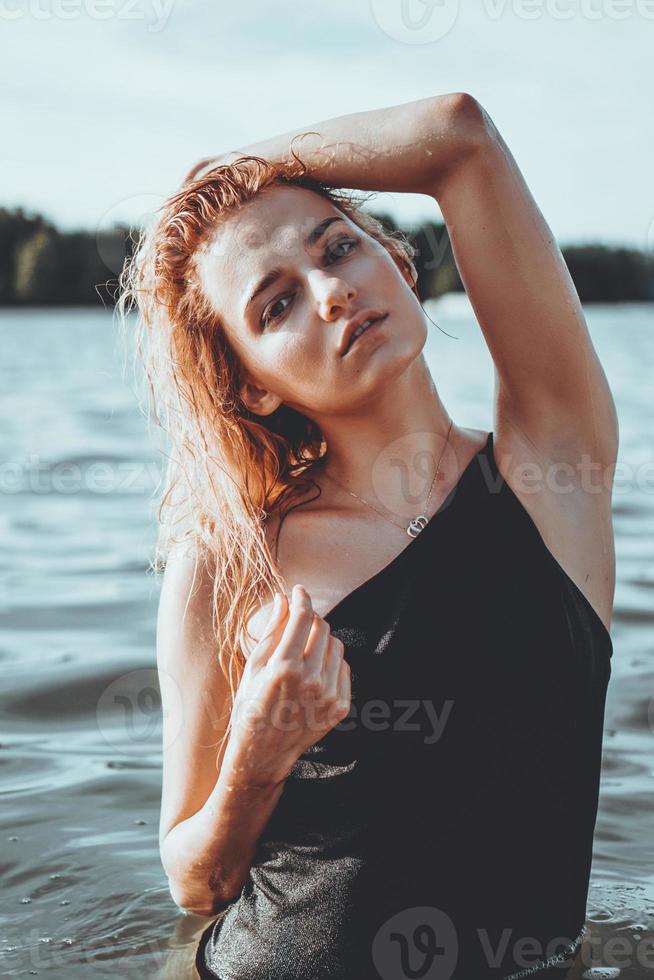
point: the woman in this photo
(394, 770)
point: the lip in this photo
(355, 323)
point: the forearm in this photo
(406, 148)
(207, 856)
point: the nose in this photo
(333, 294)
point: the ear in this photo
(258, 400)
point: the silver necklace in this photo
(418, 523)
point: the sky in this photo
(107, 103)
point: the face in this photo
(287, 331)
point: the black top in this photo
(444, 829)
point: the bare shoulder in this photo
(567, 494)
(194, 691)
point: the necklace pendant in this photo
(417, 525)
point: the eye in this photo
(345, 241)
(268, 317)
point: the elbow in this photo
(204, 903)
(459, 119)
(192, 903)
(468, 119)
(186, 902)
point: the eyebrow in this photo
(271, 277)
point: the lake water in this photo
(84, 894)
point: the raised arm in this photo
(398, 148)
(551, 391)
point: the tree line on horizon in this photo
(42, 266)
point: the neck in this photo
(387, 452)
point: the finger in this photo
(290, 648)
(317, 649)
(272, 633)
(344, 690)
(333, 666)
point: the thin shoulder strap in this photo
(492, 480)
